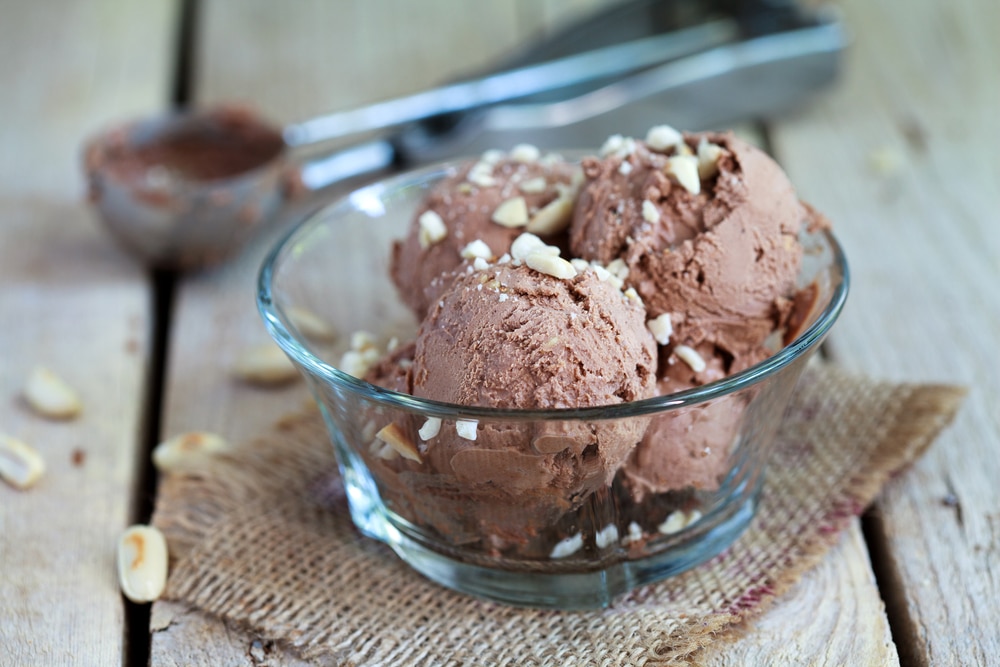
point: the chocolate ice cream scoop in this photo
(512, 337)
(488, 203)
(689, 449)
(708, 227)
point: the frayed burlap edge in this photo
(224, 524)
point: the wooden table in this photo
(901, 155)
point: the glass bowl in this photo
(560, 529)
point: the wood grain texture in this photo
(73, 302)
(832, 617)
(901, 158)
(70, 68)
(326, 56)
(82, 309)
(198, 639)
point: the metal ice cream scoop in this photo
(620, 71)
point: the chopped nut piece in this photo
(678, 520)
(571, 190)
(362, 340)
(475, 249)
(430, 428)
(619, 268)
(384, 451)
(690, 357)
(525, 153)
(511, 213)
(552, 265)
(685, 169)
(50, 396)
(362, 355)
(661, 328)
(580, 265)
(625, 168)
(567, 546)
(612, 144)
(20, 465)
(553, 217)
(483, 167)
(631, 294)
(606, 536)
(550, 159)
(492, 156)
(187, 450)
(481, 178)
(432, 229)
(634, 533)
(708, 159)
(393, 436)
(602, 273)
(142, 563)
(310, 324)
(649, 212)
(479, 264)
(663, 137)
(534, 186)
(528, 244)
(628, 147)
(357, 362)
(466, 428)
(264, 364)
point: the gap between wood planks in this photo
(163, 285)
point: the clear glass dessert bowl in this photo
(524, 506)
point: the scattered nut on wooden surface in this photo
(142, 563)
(50, 396)
(20, 465)
(187, 450)
(265, 365)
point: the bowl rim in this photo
(276, 326)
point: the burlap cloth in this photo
(263, 538)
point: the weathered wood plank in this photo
(73, 302)
(82, 310)
(69, 68)
(833, 617)
(901, 158)
(327, 56)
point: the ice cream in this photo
(513, 336)
(708, 228)
(488, 204)
(669, 264)
(516, 337)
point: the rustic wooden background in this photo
(901, 154)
